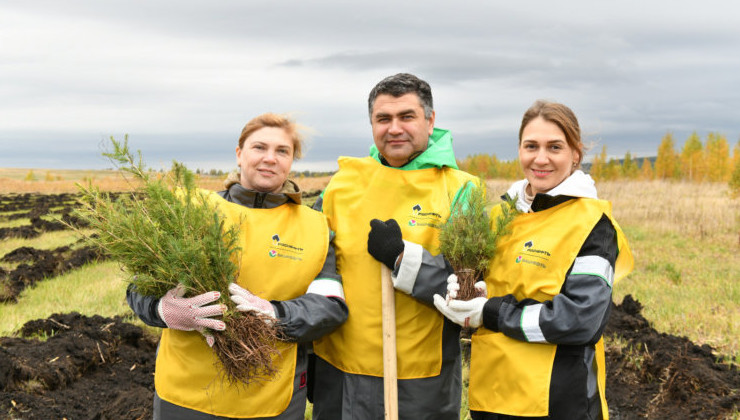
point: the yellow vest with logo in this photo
(282, 250)
(509, 376)
(419, 200)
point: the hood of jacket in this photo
(578, 184)
(438, 153)
(290, 191)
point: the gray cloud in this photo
(182, 77)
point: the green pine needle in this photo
(468, 238)
(165, 233)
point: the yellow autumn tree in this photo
(735, 177)
(666, 163)
(717, 158)
(494, 168)
(613, 170)
(692, 167)
(630, 170)
(646, 170)
(598, 165)
(511, 170)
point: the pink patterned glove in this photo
(247, 301)
(189, 314)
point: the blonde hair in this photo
(278, 121)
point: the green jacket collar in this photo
(438, 154)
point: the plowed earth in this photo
(77, 367)
(102, 368)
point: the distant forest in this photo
(699, 160)
(294, 174)
(707, 160)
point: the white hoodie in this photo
(578, 184)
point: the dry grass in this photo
(696, 210)
(57, 181)
(312, 183)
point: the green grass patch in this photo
(11, 213)
(97, 289)
(687, 286)
(15, 223)
(48, 240)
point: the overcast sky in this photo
(182, 77)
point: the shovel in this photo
(390, 374)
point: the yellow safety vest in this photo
(509, 376)
(282, 251)
(419, 200)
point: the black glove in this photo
(384, 242)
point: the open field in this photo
(685, 238)
(57, 181)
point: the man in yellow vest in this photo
(386, 209)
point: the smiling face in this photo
(265, 159)
(546, 157)
(400, 129)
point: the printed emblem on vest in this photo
(532, 255)
(281, 249)
(422, 218)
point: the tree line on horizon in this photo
(698, 161)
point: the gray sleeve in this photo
(321, 310)
(311, 316)
(318, 205)
(578, 314)
(145, 307)
(421, 274)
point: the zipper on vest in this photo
(259, 200)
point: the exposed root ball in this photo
(247, 348)
(466, 278)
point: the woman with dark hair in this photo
(539, 351)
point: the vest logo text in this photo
(533, 256)
(418, 217)
(280, 249)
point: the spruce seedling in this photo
(168, 232)
(468, 238)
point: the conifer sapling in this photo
(168, 232)
(468, 238)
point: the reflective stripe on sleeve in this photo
(595, 266)
(531, 324)
(409, 268)
(326, 287)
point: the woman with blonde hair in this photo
(286, 273)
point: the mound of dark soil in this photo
(22, 232)
(101, 368)
(35, 202)
(89, 368)
(33, 207)
(38, 264)
(662, 376)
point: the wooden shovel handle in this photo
(390, 373)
